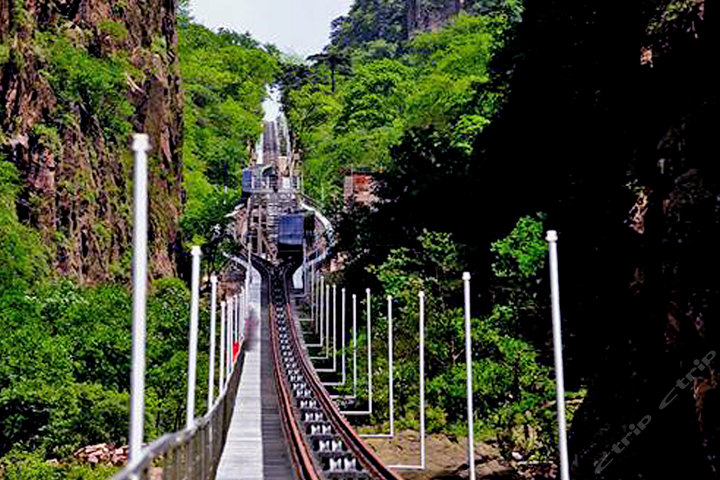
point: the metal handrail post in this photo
(211, 360)
(193, 340)
(141, 146)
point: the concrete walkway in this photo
(255, 447)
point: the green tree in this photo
(335, 60)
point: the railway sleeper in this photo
(313, 416)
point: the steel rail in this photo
(301, 376)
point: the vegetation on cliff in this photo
(76, 78)
(225, 76)
(74, 86)
(601, 120)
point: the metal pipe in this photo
(344, 352)
(469, 379)
(354, 302)
(422, 380)
(552, 238)
(312, 292)
(211, 362)
(223, 339)
(343, 338)
(192, 348)
(333, 369)
(391, 375)
(237, 323)
(319, 325)
(141, 145)
(243, 317)
(368, 303)
(391, 361)
(228, 339)
(369, 347)
(334, 320)
(319, 322)
(327, 320)
(421, 296)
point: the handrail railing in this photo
(192, 453)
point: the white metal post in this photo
(421, 302)
(327, 320)
(223, 339)
(242, 314)
(368, 304)
(248, 274)
(354, 306)
(334, 329)
(342, 344)
(319, 319)
(333, 369)
(141, 145)
(391, 362)
(552, 238)
(192, 348)
(228, 339)
(368, 307)
(469, 377)
(391, 377)
(312, 292)
(237, 321)
(321, 324)
(304, 268)
(422, 380)
(211, 362)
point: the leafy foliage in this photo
(433, 81)
(225, 77)
(513, 390)
(22, 257)
(95, 87)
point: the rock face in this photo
(77, 77)
(426, 15)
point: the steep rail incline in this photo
(323, 444)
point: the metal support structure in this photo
(319, 325)
(248, 273)
(334, 335)
(193, 341)
(368, 304)
(552, 238)
(243, 316)
(211, 362)
(237, 322)
(311, 294)
(223, 339)
(327, 320)
(141, 146)
(421, 308)
(354, 307)
(469, 379)
(391, 377)
(343, 354)
(228, 338)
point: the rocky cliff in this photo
(426, 15)
(77, 77)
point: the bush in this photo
(19, 465)
(23, 259)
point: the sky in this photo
(294, 26)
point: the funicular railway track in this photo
(321, 441)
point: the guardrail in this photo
(192, 453)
